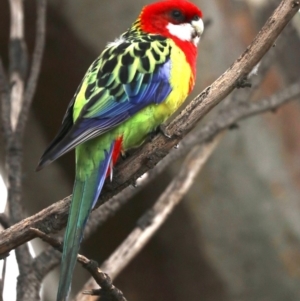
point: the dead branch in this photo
(36, 64)
(13, 156)
(4, 221)
(2, 279)
(5, 104)
(107, 292)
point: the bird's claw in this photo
(163, 130)
(160, 129)
(243, 82)
(123, 155)
(233, 126)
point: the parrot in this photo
(138, 81)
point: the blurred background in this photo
(236, 235)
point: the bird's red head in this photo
(176, 19)
(179, 20)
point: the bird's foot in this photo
(243, 82)
(160, 129)
(233, 126)
(163, 130)
(123, 155)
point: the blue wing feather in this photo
(111, 104)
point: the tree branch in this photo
(4, 220)
(36, 64)
(18, 59)
(2, 281)
(108, 291)
(13, 156)
(5, 104)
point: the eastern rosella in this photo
(137, 82)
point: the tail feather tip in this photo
(42, 164)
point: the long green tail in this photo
(85, 195)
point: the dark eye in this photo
(195, 18)
(177, 15)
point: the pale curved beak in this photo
(199, 27)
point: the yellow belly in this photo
(152, 116)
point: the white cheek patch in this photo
(187, 32)
(183, 32)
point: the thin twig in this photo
(4, 221)
(13, 158)
(44, 263)
(5, 104)
(17, 59)
(2, 281)
(36, 63)
(55, 243)
(108, 291)
(17, 74)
